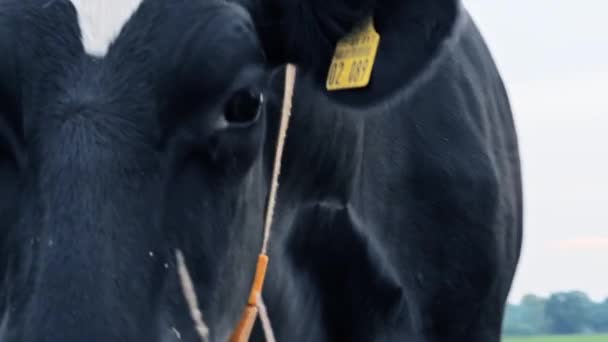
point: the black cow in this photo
(399, 214)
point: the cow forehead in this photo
(158, 37)
(101, 21)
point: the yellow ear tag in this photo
(354, 58)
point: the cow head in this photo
(112, 156)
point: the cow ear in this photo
(305, 32)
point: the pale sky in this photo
(553, 55)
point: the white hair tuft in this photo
(101, 21)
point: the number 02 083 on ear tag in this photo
(354, 57)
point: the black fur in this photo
(399, 213)
(108, 165)
(9, 92)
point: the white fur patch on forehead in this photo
(101, 21)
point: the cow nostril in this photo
(244, 107)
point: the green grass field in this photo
(578, 338)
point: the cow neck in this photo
(254, 303)
(327, 142)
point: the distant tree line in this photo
(562, 313)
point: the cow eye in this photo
(244, 106)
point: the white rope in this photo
(265, 319)
(190, 295)
(290, 78)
